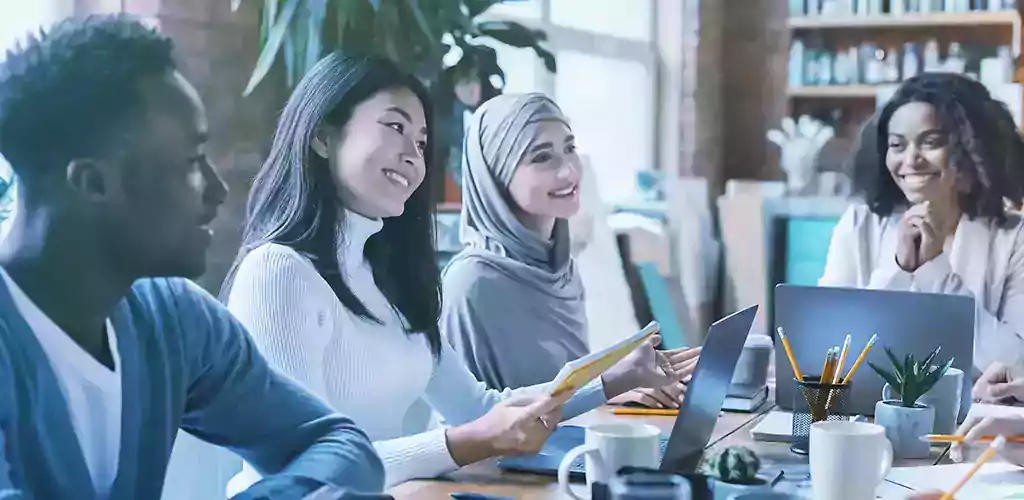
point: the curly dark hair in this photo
(985, 147)
(69, 92)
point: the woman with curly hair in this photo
(941, 172)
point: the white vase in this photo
(905, 426)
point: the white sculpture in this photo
(801, 143)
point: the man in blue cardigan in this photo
(105, 351)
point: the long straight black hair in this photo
(294, 200)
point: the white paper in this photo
(994, 481)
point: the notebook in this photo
(577, 373)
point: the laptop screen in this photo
(706, 392)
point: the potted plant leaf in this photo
(905, 419)
(734, 471)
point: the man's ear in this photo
(320, 141)
(88, 179)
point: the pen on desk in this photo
(945, 438)
(842, 360)
(996, 445)
(626, 410)
(789, 354)
(861, 358)
(476, 496)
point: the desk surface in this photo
(731, 429)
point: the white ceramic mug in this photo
(848, 460)
(610, 447)
(944, 398)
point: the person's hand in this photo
(669, 396)
(515, 426)
(975, 427)
(648, 367)
(934, 229)
(1000, 384)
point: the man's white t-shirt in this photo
(92, 391)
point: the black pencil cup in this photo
(813, 402)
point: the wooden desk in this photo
(486, 477)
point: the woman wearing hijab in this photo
(338, 284)
(513, 299)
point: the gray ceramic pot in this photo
(725, 491)
(905, 426)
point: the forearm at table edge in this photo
(343, 457)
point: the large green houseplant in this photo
(440, 41)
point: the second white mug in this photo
(848, 460)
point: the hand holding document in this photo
(576, 374)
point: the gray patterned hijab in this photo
(533, 312)
(500, 132)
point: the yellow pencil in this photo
(996, 445)
(830, 366)
(945, 438)
(789, 354)
(842, 360)
(860, 359)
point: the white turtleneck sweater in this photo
(375, 373)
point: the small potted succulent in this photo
(735, 471)
(905, 419)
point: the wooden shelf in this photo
(931, 20)
(834, 92)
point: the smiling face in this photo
(546, 182)
(917, 155)
(376, 159)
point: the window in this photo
(16, 22)
(605, 84)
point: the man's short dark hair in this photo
(66, 93)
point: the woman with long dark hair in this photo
(337, 279)
(941, 172)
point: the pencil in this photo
(944, 438)
(842, 360)
(830, 366)
(860, 359)
(626, 410)
(789, 354)
(985, 457)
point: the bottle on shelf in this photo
(796, 64)
(911, 62)
(932, 62)
(955, 61)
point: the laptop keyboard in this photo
(579, 464)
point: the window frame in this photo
(645, 52)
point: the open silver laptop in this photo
(817, 318)
(697, 416)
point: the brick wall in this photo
(733, 88)
(217, 49)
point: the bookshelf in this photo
(910, 20)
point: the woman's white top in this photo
(375, 373)
(983, 260)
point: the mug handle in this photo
(887, 392)
(886, 466)
(567, 460)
